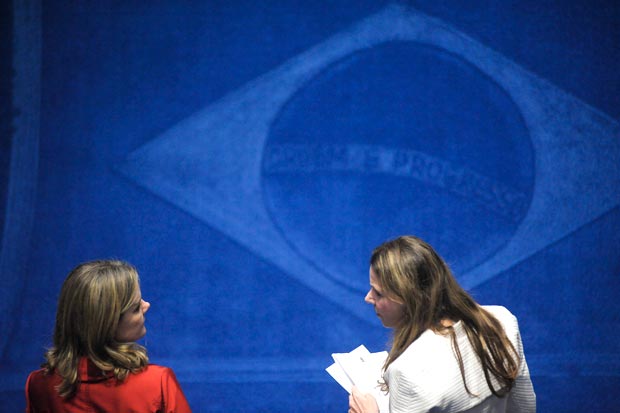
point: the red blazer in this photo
(154, 389)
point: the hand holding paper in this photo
(362, 402)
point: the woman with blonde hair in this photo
(95, 363)
(448, 353)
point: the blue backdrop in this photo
(246, 157)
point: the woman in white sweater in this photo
(449, 354)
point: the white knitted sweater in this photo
(426, 376)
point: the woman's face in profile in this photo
(131, 325)
(389, 311)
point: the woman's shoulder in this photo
(499, 311)
(165, 372)
(508, 321)
(503, 315)
(157, 369)
(38, 375)
(39, 383)
(423, 356)
(151, 375)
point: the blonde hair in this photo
(93, 297)
(410, 271)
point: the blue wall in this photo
(246, 157)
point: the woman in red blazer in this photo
(95, 363)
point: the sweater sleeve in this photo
(521, 398)
(405, 396)
(173, 397)
(27, 391)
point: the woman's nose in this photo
(145, 306)
(368, 298)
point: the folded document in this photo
(359, 368)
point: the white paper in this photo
(340, 376)
(362, 369)
(359, 368)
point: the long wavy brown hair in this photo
(411, 272)
(93, 297)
